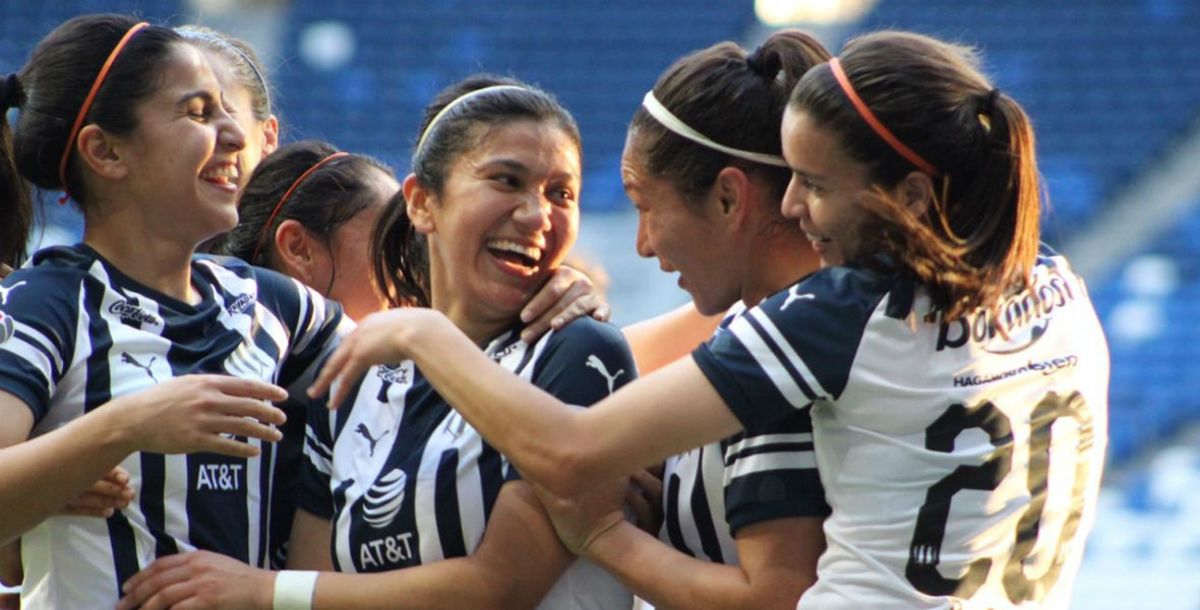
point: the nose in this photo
(793, 205)
(644, 249)
(533, 213)
(229, 134)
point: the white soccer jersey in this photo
(962, 466)
(407, 481)
(75, 333)
(711, 492)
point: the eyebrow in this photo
(517, 166)
(809, 175)
(190, 95)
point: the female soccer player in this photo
(246, 93)
(957, 377)
(123, 348)
(403, 482)
(702, 166)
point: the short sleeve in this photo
(794, 348)
(316, 468)
(38, 317)
(584, 362)
(773, 474)
(315, 323)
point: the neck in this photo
(776, 262)
(149, 257)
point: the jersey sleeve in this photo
(584, 362)
(316, 468)
(316, 324)
(792, 349)
(581, 364)
(38, 320)
(773, 475)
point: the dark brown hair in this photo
(399, 253)
(979, 237)
(734, 98)
(325, 200)
(50, 89)
(241, 57)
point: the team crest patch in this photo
(7, 327)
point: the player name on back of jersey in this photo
(1025, 315)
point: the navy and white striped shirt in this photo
(711, 492)
(76, 333)
(962, 459)
(407, 481)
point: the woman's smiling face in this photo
(505, 218)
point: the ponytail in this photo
(400, 257)
(16, 207)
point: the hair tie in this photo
(876, 125)
(678, 127)
(87, 103)
(988, 104)
(764, 63)
(10, 92)
(262, 238)
(455, 102)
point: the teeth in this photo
(531, 252)
(816, 238)
(223, 171)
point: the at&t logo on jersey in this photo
(219, 477)
(383, 500)
(7, 328)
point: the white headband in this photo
(456, 101)
(672, 122)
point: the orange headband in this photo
(876, 125)
(91, 97)
(279, 206)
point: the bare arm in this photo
(666, 338)
(516, 563)
(563, 449)
(778, 563)
(41, 475)
(308, 547)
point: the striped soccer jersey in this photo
(962, 464)
(711, 492)
(78, 333)
(406, 481)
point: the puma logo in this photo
(366, 433)
(794, 295)
(4, 292)
(594, 362)
(127, 359)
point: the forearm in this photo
(39, 476)
(669, 579)
(451, 585)
(534, 429)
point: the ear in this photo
(296, 252)
(915, 193)
(731, 190)
(419, 200)
(102, 153)
(270, 135)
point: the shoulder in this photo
(586, 331)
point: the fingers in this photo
(550, 294)
(339, 371)
(255, 409)
(247, 388)
(163, 572)
(577, 300)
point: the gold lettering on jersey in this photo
(381, 552)
(219, 477)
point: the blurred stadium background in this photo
(1113, 87)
